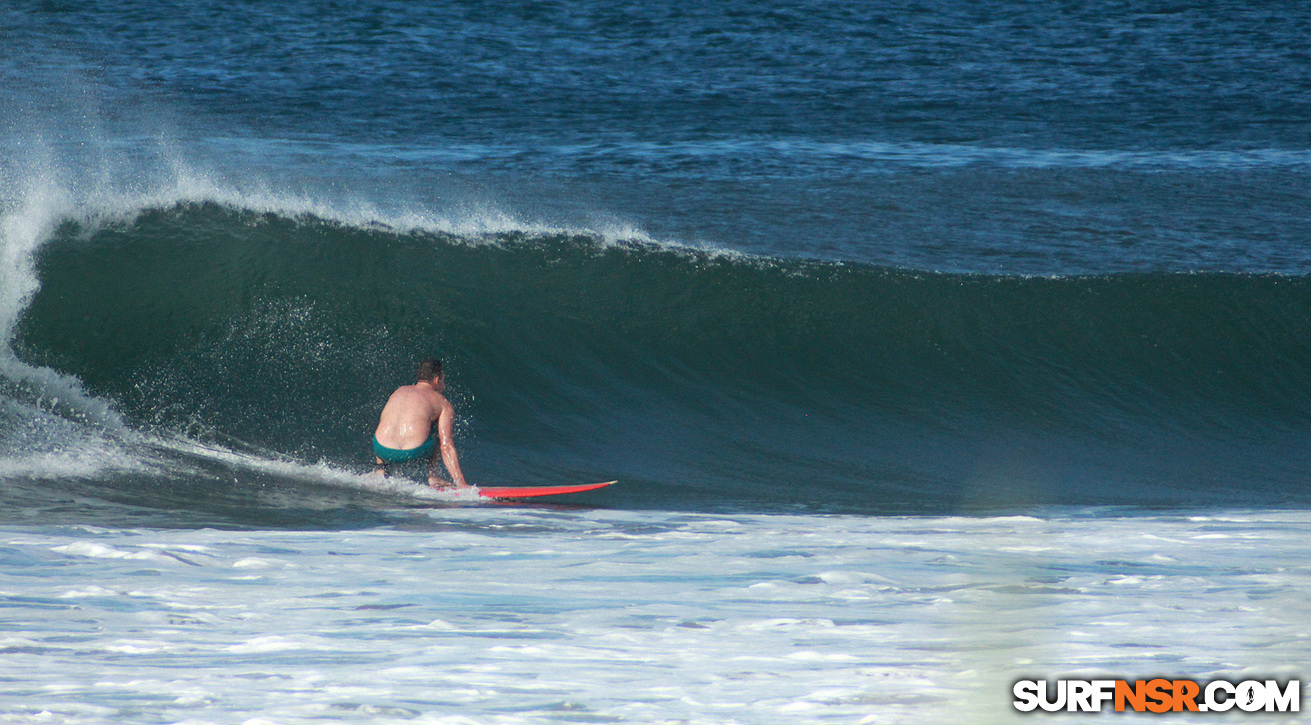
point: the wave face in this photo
(701, 379)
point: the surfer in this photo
(406, 429)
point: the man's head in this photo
(430, 371)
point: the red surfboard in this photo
(534, 491)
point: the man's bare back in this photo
(405, 427)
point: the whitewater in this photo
(497, 615)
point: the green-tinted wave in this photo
(698, 375)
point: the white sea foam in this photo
(529, 615)
(318, 473)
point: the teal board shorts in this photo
(399, 455)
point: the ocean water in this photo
(933, 346)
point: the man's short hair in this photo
(430, 369)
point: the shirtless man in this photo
(406, 432)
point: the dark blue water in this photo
(862, 258)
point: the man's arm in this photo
(446, 444)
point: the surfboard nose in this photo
(534, 491)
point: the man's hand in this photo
(441, 484)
